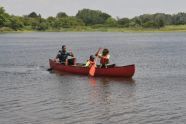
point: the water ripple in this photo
(31, 95)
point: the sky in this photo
(116, 8)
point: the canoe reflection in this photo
(105, 80)
(106, 90)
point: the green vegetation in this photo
(91, 20)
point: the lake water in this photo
(31, 95)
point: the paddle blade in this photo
(92, 70)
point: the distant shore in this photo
(169, 28)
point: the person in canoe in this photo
(104, 58)
(90, 62)
(62, 57)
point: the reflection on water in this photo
(101, 87)
(92, 81)
(108, 93)
(106, 80)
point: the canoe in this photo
(116, 71)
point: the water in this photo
(31, 95)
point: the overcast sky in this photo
(116, 8)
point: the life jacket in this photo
(89, 63)
(105, 59)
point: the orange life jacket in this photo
(104, 59)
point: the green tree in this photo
(88, 17)
(27, 21)
(111, 22)
(159, 19)
(133, 24)
(149, 24)
(179, 19)
(68, 22)
(124, 22)
(42, 26)
(16, 23)
(4, 18)
(51, 22)
(91, 17)
(136, 22)
(61, 15)
(146, 18)
(33, 15)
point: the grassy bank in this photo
(178, 28)
(170, 28)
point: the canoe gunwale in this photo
(75, 66)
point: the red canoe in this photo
(116, 71)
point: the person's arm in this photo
(99, 55)
(56, 59)
(87, 64)
(58, 54)
(71, 54)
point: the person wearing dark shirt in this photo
(62, 55)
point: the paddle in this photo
(93, 67)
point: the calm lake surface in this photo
(31, 95)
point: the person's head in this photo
(91, 58)
(105, 52)
(64, 48)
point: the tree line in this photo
(86, 17)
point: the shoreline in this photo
(170, 28)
